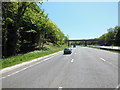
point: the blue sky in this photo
(83, 20)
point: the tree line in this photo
(111, 38)
(25, 26)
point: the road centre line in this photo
(27, 67)
(102, 59)
(60, 88)
(72, 60)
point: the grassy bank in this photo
(105, 49)
(29, 56)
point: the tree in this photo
(12, 14)
(111, 38)
(25, 26)
(117, 35)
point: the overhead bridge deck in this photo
(85, 40)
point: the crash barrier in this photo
(109, 47)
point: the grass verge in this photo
(105, 49)
(28, 56)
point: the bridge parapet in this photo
(85, 40)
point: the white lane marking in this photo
(72, 60)
(102, 59)
(118, 87)
(60, 88)
(109, 63)
(27, 67)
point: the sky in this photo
(83, 20)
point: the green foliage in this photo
(111, 38)
(31, 31)
(117, 36)
(25, 26)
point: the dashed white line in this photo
(102, 59)
(109, 62)
(72, 60)
(27, 67)
(60, 88)
(118, 87)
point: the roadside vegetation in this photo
(111, 38)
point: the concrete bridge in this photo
(84, 40)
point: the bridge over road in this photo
(84, 40)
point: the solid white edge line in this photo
(27, 67)
(27, 62)
(60, 87)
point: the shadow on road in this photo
(66, 54)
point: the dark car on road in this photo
(67, 51)
(74, 45)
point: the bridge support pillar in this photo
(68, 43)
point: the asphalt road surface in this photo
(84, 68)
